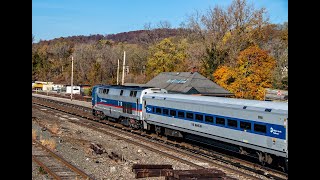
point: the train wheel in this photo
(286, 165)
(283, 164)
(158, 131)
(102, 116)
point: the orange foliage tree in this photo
(251, 75)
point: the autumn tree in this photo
(224, 76)
(40, 64)
(95, 63)
(225, 32)
(166, 56)
(195, 53)
(59, 58)
(251, 75)
(277, 46)
(136, 60)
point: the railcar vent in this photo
(152, 97)
(267, 110)
(244, 107)
(164, 98)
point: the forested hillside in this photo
(133, 37)
(236, 47)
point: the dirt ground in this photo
(73, 142)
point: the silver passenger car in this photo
(248, 124)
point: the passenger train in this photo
(250, 127)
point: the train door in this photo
(124, 107)
(144, 105)
(94, 96)
(245, 126)
(137, 108)
(143, 114)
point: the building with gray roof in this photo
(187, 83)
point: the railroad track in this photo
(54, 164)
(146, 144)
(195, 154)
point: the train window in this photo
(209, 119)
(173, 113)
(189, 115)
(104, 91)
(245, 125)
(260, 128)
(107, 91)
(165, 111)
(180, 114)
(100, 90)
(158, 110)
(267, 110)
(199, 117)
(232, 123)
(220, 120)
(133, 93)
(121, 92)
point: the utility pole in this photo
(124, 63)
(71, 76)
(118, 72)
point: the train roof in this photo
(280, 107)
(123, 87)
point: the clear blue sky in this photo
(61, 18)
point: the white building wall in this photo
(76, 90)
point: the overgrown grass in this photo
(55, 128)
(42, 171)
(34, 134)
(49, 143)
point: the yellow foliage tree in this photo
(167, 56)
(224, 76)
(250, 77)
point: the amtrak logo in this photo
(101, 100)
(274, 131)
(148, 109)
